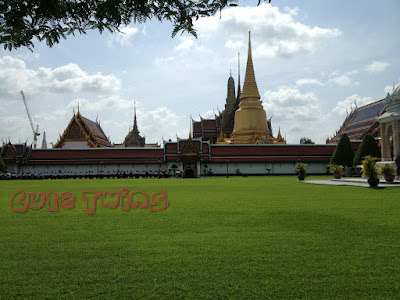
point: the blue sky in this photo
(312, 60)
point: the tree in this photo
(2, 165)
(50, 20)
(306, 140)
(344, 153)
(368, 146)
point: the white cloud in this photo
(164, 60)
(274, 32)
(345, 106)
(388, 89)
(15, 76)
(186, 44)
(17, 128)
(377, 66)
(124, 37)
(308, 81)
(345, 79)
(210, 114)
(234, 45)
(28, 56)
(114, 103)
(295, 113)
(342, 80)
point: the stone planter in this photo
(389, 178)
(301, 177)
(373, 182)
(337, 175)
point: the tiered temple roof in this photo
(133, 138)
(16, 153)
(81, 129)
(361, 121)
(207, 129)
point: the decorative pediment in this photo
(190, 147)
(8, 152)
(75, 132)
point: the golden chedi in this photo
(250, 119)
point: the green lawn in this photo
(219, 238)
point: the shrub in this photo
(386, 169)
(368, 147)
(306, 140)
(369, 167)
(301, 169)
(344, 153)
(337, 169)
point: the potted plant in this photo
(370, 170)
(301, 169)
(337, 170)
(387, 171)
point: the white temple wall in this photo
(220, 168)
(261, 168)
(93, 168)
(76, 145)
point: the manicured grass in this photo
(243, 238)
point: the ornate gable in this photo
(78, 129)
(8, 152)
(75, 132)
(190, 147)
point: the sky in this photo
(313, 60)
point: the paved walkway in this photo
(353, 182)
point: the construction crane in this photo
(35, 132)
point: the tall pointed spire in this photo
(239, 88)
(191, 129)
(230, 95)
(133, 138)
(44, 142)
(135, 127)
(250, 89)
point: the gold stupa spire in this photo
(250, 89)
(279, 137)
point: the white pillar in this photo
(384, 143)
(396, 138)
(198, 169)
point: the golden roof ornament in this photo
(250, 89)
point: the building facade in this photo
(192, 156)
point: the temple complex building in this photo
(390, 126)
(244, 120)
(360, 121)
(133, 138)
(82, 133)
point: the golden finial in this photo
(250, 89)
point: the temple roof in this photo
(95, 128)
(133, 138)
(250, 89)
(83, 129)
(360, 121)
